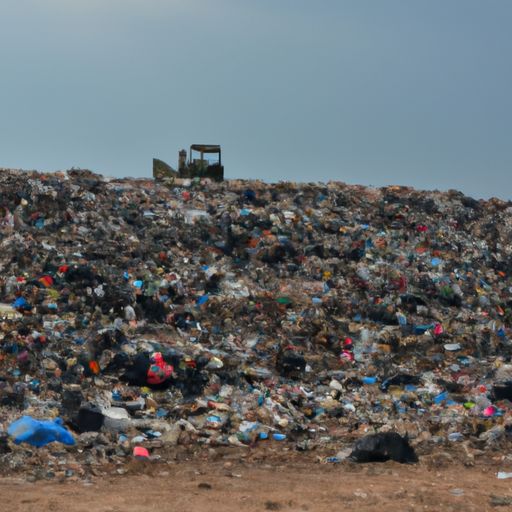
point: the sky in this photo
(371, 92)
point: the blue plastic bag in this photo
(201, 300)
(439, 398)
(40, 433)
(18, 303)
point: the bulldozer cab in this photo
(198, 152)
(205, 162)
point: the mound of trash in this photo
(142, 313)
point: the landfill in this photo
(164, 319)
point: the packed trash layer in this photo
(242, 314)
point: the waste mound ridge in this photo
(176, 314)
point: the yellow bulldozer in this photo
(204, 162)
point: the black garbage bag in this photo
(290, 360)
(503, 391)
(383, 447)
(402, 379)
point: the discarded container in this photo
(140, 453)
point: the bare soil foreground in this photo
(433, 484)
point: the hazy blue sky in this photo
(374, 92)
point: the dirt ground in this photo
(298, 486)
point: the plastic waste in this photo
(40, 432)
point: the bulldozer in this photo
(198, 165)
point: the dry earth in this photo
(188, 486)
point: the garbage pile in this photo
(139, 313)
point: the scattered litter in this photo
(236, 314)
